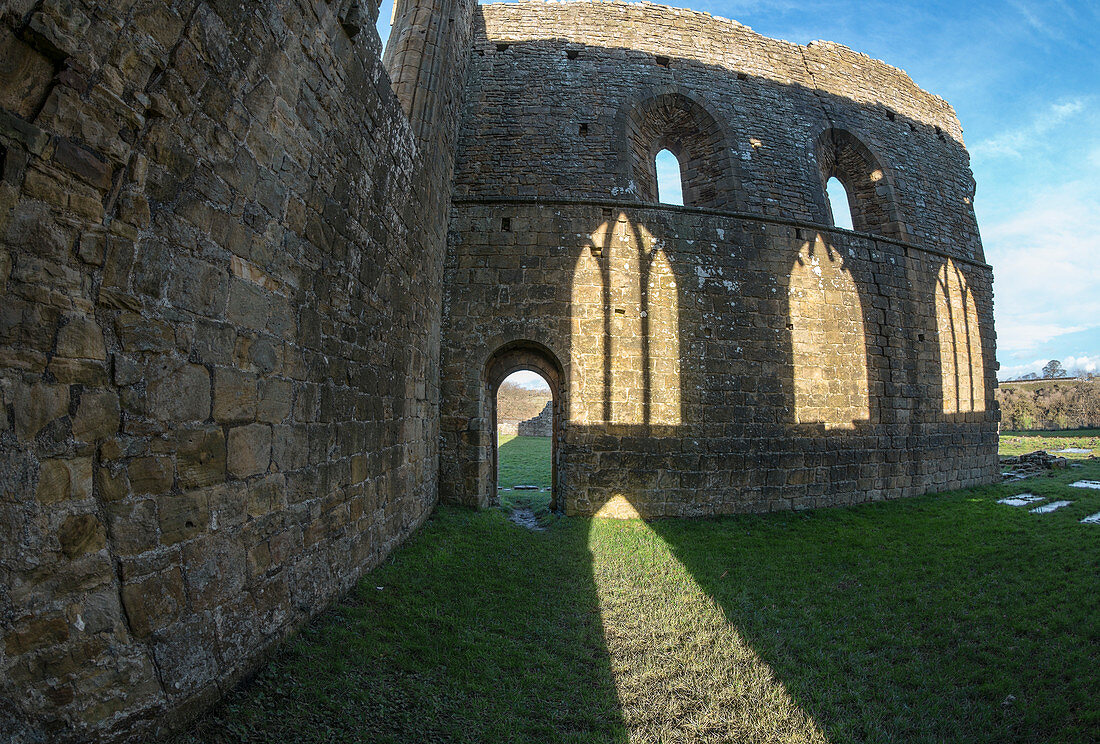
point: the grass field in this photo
(523, 461)
(947, 618)
(1022, 442)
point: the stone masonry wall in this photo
(539, 426)
(551, 86)
(221, 251)
(717, 363)
(745, 357)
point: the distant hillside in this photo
(1050, 404)
(515, 403)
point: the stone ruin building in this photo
(541, 425)
(259, 282)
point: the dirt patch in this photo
(524, 517)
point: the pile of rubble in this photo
(1033, 463)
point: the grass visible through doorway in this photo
(524, 461)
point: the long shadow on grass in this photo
(474, 631)
(946, 618)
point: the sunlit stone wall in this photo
(713, 362)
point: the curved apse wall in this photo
(738, 353)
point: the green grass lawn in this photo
(946, 618)
(524, 461)
(1022, 442)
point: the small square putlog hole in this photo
(583, 130)
(572, 53)
(506, 224)
(662, 61)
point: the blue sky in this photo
(1024, 78)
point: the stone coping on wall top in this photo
(578, 7)
(676, 208)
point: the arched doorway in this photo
(528, 356)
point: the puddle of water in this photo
(1048, 508)
(1086, 484)
(1076, 450)
(1022, 500)
(1092, 519)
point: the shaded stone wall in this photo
(738, 354)
(553, 87)
(221, 250)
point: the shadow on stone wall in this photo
(720, 361)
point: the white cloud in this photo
(1045, 266)
(529, 380)
(1071, 364)
(1035, 21)
(1015, 142)
(1011, 372)
(1083, 363)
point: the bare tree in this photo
(1053, 369)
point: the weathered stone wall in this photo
(538, 426)
(552, 86)
(739, 354)
(222, 244)
(717, 363)
(221, 250)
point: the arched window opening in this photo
(864, 182)
(673, 139)
(670, 187)
(838, 204)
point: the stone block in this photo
(139, 333)
(132, 525)
(113, 483)
(64, 479)
(185, 654)
(199, 287)
(153, 603)
(249, 450)
(36, 632)
(184, 516)
(235, 395)
(80, 534)
(97, 416)
(275, 401)
(266, 495)
(37, 405)
(83, 163)
(79, 371)
(81, 338)
(216, 567)
(25, 75)
(150, 475)
(177, 391)
(200, 457)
